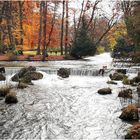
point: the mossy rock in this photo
(34, 75)
(21, 74)
(117, 76)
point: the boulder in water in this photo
(105, 91)
(11, 98)
(117, 76)
(25, 75)
(130, 113)
(63, 72)
(2, 77)
(24, 70)
(127, 93)
(133, 132)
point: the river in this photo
(56, 108)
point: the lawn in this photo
(34, 53)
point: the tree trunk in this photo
(9, 24)
(21, 19)
(44, 29)
(62, 28)
(66, 35)
(40, 29)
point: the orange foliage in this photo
(31, 27)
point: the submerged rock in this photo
(111, 82)
(63, 72)
(2, 77)
(127, 93)
(133, 132)
(11, 98)
(105, 91)
(130, 113)
(117, 76)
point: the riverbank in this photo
(30, 58)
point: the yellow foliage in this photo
(100, 49)
(116, 32)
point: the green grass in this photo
(34, 53)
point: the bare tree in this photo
(52, 24)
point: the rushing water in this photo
(56, 108)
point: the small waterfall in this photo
(74, 71)
(84, 72)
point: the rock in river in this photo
(130, 113)
(105, 91)
(63, 72)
